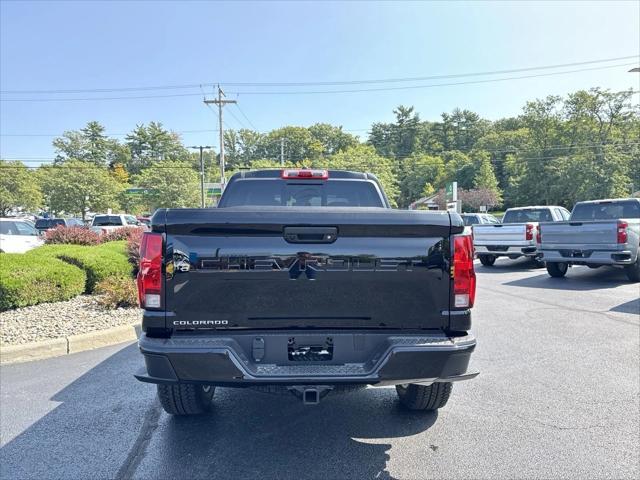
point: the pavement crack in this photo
(139, 448)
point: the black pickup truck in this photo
(305, 281)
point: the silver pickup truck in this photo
(516, 235)
(601, 232)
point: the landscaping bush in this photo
(133, 252)
(99, 262)
(124, 233)
(29, 280)
(117, 292)
(71, 235)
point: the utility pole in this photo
(282, 151)
(202, 148)
(220, 102)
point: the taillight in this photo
(539, 234)
(528, 232)
(464, 276)
(150, 272)
(304, 174)
(622, 232)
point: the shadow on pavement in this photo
(255, 435)
(628, 307)
(506, 265)
(577, 279)
(100, 430)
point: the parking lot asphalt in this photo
(558, 397)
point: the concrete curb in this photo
(66, 345)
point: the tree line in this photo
(559, 150)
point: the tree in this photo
(18, 188)
(169, 184)
(416, 173)
(75, 187)
(152, 143)
(363, 158)
(90, 145)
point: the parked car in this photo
(305, 281)
(599, 232)
(18, 236)
(44, 224)
(516, 235)
(471, 219)
(107, 223)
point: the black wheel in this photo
(633, 271)
(422, 397)
(185, 398)
(487, 260)
(557, 269)
(538, 262)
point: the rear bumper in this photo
(503, 250)
(358, 358)
(579, 256)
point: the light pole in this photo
(202, 148)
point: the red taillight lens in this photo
(622, 232)
(464, 276)
(528, 233)
(296, 173)
(150, 273)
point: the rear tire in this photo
(185, 398)
(557, 270)
(633, 271)
(422, 397)
(487, 260)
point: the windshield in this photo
(525, 215)
(606, 210)
(107, 221)
(303, 194)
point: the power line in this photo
(325, 83)
(246, 118)
(313, 92)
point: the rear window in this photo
(606, 210)
(334, 193)
(49, 222)
(107, 221)
(528, 215)
(16, 228)
(470, 220)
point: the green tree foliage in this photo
(363, 158)
(152, 143)
(75, 187)
(416, 173)
(91, 145)
(169, 184)
(18, 188)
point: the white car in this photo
(18, 235)
(107, 223)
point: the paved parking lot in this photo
(557, 397)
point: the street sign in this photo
(213, 189)
(451, 191)
(136, 191)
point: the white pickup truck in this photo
(516, 235)
(599, 232)
(106, 223)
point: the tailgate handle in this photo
(310, 234)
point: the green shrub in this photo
(99, 262)
(117, 292)
(29, 280)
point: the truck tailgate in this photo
(500, 234)
(587, 234)
(307, 267)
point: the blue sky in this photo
(91, 45)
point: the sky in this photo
(89, 45)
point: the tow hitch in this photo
(310, 394)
